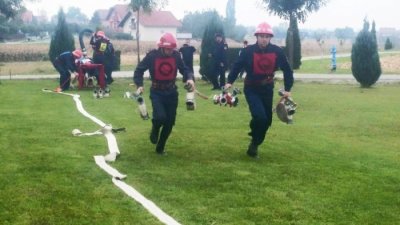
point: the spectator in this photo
(219, 62)
(187, 52)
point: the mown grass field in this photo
(390, 64)
(337, 164)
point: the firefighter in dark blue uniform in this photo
(163, 64)
(187, 52)
(260, 62)
(219, 62)
(103, 53)
(65, 63)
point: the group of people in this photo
(68, 62)
(259, 61)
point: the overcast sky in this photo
(336, 14)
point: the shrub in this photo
(22, 56)
(366, 67)
(388, 44)
(123, 36)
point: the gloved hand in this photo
(190, 83)
(140, 90)
(285, 94)
(227, 86)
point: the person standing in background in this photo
(219, 62)
(187, 52)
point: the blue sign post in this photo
(333, 59)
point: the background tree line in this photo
(12, 27)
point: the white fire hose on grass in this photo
(101, 161)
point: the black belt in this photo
(269, 79)
(163, 86)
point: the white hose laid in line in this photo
(110, 170)
(100, 160)
(149, 205)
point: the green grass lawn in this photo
(389, 64)
(339, 163)
(323, 66)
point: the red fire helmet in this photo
(77, 53)
(264, 28)
(167, 40)
(100, 33)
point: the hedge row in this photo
(23, 56)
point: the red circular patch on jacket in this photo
(165, 68)
(264, 63)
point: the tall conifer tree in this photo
(365, 63)
(62, 40)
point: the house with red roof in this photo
(121, 18)
(27, 16)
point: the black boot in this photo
(252, 151)
(155, 130)
(165, 132)
(160, 148)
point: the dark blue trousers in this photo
(259, 100)
(218, 74)
(164, 105)
(65, 75)
(108, 64)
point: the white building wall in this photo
(154, 33)
(148, 33)
(127, 28)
